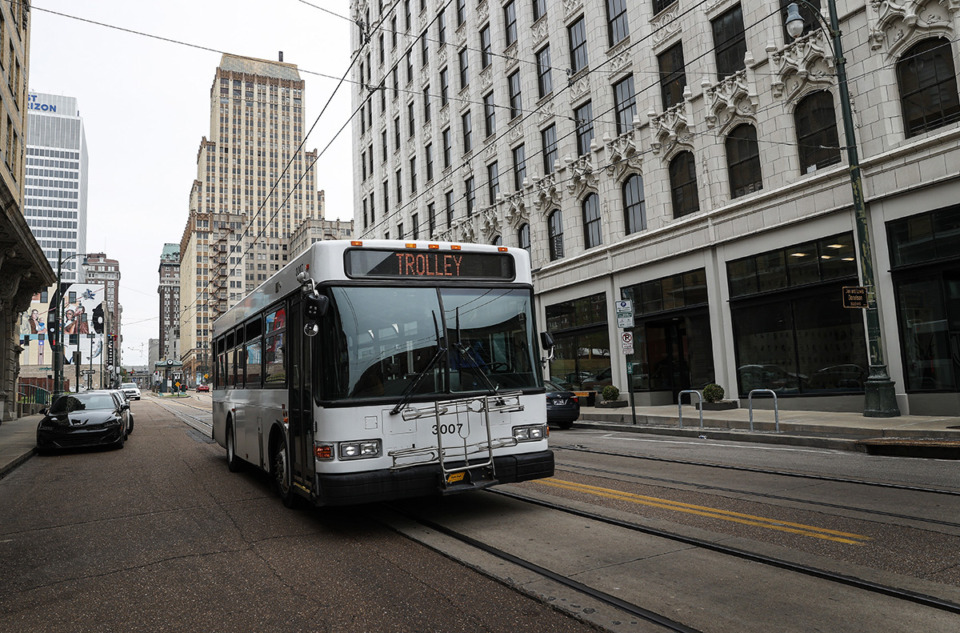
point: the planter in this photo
(612, 404)
(723, 405)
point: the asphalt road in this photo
(159, 536)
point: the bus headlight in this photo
(364, 449)
(530, 433)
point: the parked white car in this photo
(131, 389)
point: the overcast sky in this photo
(145, 104)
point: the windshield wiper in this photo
(441, 350)
(463, 349)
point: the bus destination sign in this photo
(432, 264)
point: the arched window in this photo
(523, 237)
(743, 161)
(928, 86)
(683, 185)
(634, 204)
(497, 240)
(591, 221)
(555, 234)
(817, 140)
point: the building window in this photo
(399, 186)
(548, 140)
(471, 195)
(461, 11)
(743, 161)
(555, 234)
(927, 80)
(464, 58)
(729, 42)
(467, 132)
(415, 223)
(486, 51)
(489, 115)
(432, 218)
(409, 66)
(591, 221)
(673, 78)
(426, 103)
(444, 86)
(626, 104)
(516, 103)
(396, 134)
(584, 118)
(523, 237)
(411, 120)
(424, 49)
(634, 204)
(446, 147)
(519, 168)
(578, 45)
(429, 156)
(544, 80)
(617, 26)
(817, 141)
(510, 22)
(539, 9)
(448, 207)
(442, 27)
(493, 182)
(683, 185)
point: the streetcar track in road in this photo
(762, 471)
(579, 469)
(826, 534)
(844, 579)
(195, 422)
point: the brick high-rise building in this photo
(253, 189)
(169, 291)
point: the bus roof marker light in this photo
(410, 245)
(356, 243)
(433, 246)
(502, 249)
(455, 247)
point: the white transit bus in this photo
(375, 370)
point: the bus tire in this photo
(280, 470)
(234, 464)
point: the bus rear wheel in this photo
(233, 462)
(281, 474)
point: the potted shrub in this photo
(713, 399)
(611, 397)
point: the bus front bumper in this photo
(420, 481)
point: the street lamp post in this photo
(60, 347)
(879, 396)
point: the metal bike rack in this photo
(680, 405)
(776, 407)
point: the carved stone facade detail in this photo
(547, 194)
(665, 25)
(515, 133)
(483, 11)
(898, 26)
(582, 176)
(486, 77)
(623, 154)
(516, 212)
(539, 32)
(735, 96)
(579, 86)
(489, 223)
(807, 60)
(546, 112)
(673, 126)
(511, 58)
(570, 7)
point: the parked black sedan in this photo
(91, 418)
(563, 406)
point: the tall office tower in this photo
(254, 187)
(105, 272)
(56, 189)
(169, 291)
(690, 161)
(24, 270)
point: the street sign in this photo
(624, 309)
(626, 342)
(855, 297)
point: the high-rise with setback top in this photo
(255, 185)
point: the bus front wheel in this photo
(281, 474)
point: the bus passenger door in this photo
(301, 410)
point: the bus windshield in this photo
(375, 341)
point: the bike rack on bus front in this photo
(507, 402)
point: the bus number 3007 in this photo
(447, 429)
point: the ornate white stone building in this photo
(688, 157)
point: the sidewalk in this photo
(908, 435)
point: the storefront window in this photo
(582, 353)
(791, 331)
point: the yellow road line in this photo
(716, 513)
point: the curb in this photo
(6, 469)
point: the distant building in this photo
(314, 230)
(242, 212)
(99, 269)
(56, 187)
(169, 291)
(153, 351)
(24, 269)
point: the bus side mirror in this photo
(316, 306)
(546, 340)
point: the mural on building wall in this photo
(83, 323)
